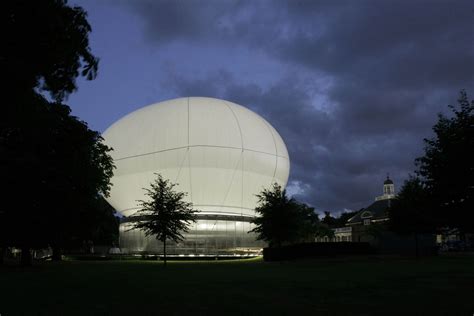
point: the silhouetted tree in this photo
(277, 222)
(66, 167)
(80, 173)
(324, 231)
(309, 224)
(283, 220)
(94, 223)
(165, 214)
(45, 47)
(411, 211)
(344, 217)
(446, 167)
(49, 160)
(103, 226)
(329, 220)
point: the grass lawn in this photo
(359, 286)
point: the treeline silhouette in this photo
(55, 169)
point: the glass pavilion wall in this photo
(209, 235)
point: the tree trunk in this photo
(164, 251)
(57, 254)
(25, 258)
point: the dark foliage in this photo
(96, 225)
(165, 215)
(447, 169)
(329, 220)
(278, 221)
(65, 167)
(283, 220)
(45, 46)
(410, 211)
(54, 168)
(334, 222)
(309, 225)
(344, 217)
(103, 226)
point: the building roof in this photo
(388, 181)
(376, 210)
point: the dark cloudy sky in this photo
(353, 87)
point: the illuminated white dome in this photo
(219, 152)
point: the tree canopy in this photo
(441, 195)
(329, 220)
(283, 220)
(410, 211)
(447, 168)
(344, 217)
(46, 46)
(165, 215)
(55, 169)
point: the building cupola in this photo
(388, 187)
(388, 190)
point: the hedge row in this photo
(315, 250)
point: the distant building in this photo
(370, 224)
(375, 213)
(357, 227)
(342, 234)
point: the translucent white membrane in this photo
(220, 153)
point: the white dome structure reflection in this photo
(219, 152)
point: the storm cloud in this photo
(353, 87)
